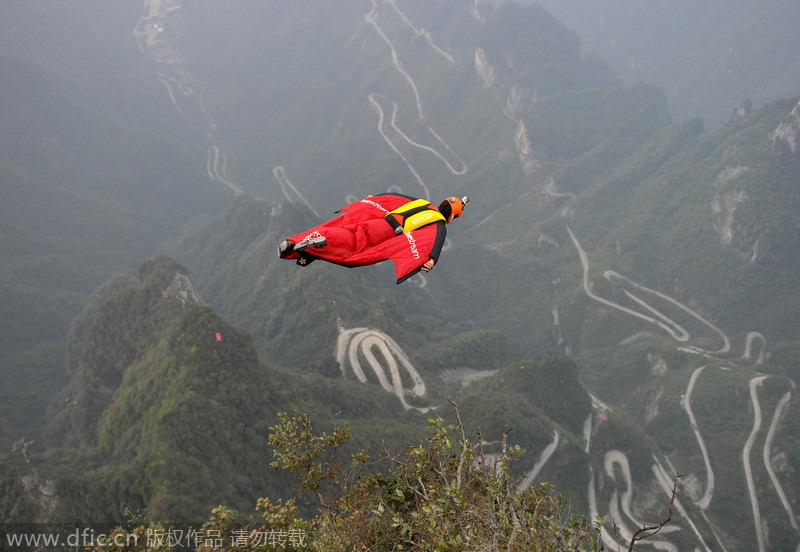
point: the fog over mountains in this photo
(621, 290)
(705, 56)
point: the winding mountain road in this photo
(705, 500)
(653, 316)
(748, 472)
(376, 100)
(170, 68)
(286, 187)
(546, 454)
(381, 353)
(773, 426)
(216, 171)
(612, 458)
(748, 346)
(726, 344)
(677, 332)
(351, 342)
(419, 32)
(656, 317)
(381, 116)
(665, 481)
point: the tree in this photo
(443, 494)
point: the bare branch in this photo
(653, 529)
(480, 449)
(463, 444)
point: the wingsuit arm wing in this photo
(408, 251)
(377, 206)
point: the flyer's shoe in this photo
(305, 259)
(285, 248)
(316, 242)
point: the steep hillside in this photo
(597, 228)
(657, 260)
(680, 211)
(168, 407)
(292, 313)
(84, 196)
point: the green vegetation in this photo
(443, 494)
(174, 417)
(131, 399)
(548, 384)
(85, 195)
(168, 406)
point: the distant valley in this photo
(621, 291)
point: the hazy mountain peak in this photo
(788, 129)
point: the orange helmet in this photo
(452, 207)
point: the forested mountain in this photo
(84, 194)
(621, 291)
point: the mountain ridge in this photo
(189, 393)
(644, 250)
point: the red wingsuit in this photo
(365, 234)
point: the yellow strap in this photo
(422, 218)
(409, 206)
